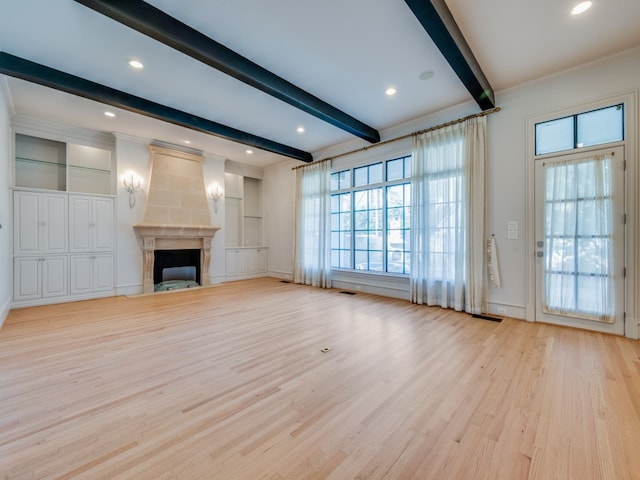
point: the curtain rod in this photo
(402, 137)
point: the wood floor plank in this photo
(231, 383)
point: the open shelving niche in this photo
(243, 211)
(46, 164)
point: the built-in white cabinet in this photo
(40, 277)
(91, 273)
(64, 246)
(246, 262)
(91, 227)
(40, 223)
(246, 255)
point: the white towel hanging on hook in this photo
(492, 262)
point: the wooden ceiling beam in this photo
(153, 22)
(36, 73)
(437, 20)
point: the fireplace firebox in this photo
(170, 259)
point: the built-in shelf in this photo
(243, 209)
(42, 164)
(91, 169)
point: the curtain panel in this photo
(579, 225)
(312, 246)
(448, 242)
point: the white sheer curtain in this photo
(312, 249)
(578, 244)
(447, 217)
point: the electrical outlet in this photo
(501, 310)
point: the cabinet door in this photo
(54, 223)
(103, 230)
(103, 272)
(81, 274)
(26, 278)
(54, 276)
(243, 262)
(80, 219)
(262, 260)
(26, 223)
(40, 223)
(232, 263)
(252, 261)
(91, 224)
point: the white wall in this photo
(6, 267)
(278, 211)
(132, 155)
(507, 182)
(213, 171)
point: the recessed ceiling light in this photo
(188, 142)
(581, 8)
(300, 129)
(136, 64)
(426, 75)
(391, 91)
(249, 152)
(109, 114)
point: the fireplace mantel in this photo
(174, 237)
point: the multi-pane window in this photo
(341, 235)
(596, 127)
(448, 225)
(368, 229)
(370, 217)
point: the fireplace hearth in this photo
(174, 237)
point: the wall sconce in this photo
(132, 183)
(215, 192)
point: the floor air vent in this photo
(285, 281)
(349, 293)
(487, 317)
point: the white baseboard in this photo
(217, 279)
(507, 310)
(4, 311)
(281, 275)
(383, 285)
(233, 278)
(134, 289)
(62, 299)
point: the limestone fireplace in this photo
(177, 212)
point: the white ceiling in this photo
(346, 52)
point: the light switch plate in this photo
(512, 234)
(512, 225)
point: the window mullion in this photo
(353, 226)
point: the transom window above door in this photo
(595, 127)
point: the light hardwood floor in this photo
(230, 383)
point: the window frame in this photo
(384, 212)
(575, 130)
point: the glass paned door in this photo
(580, 240)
